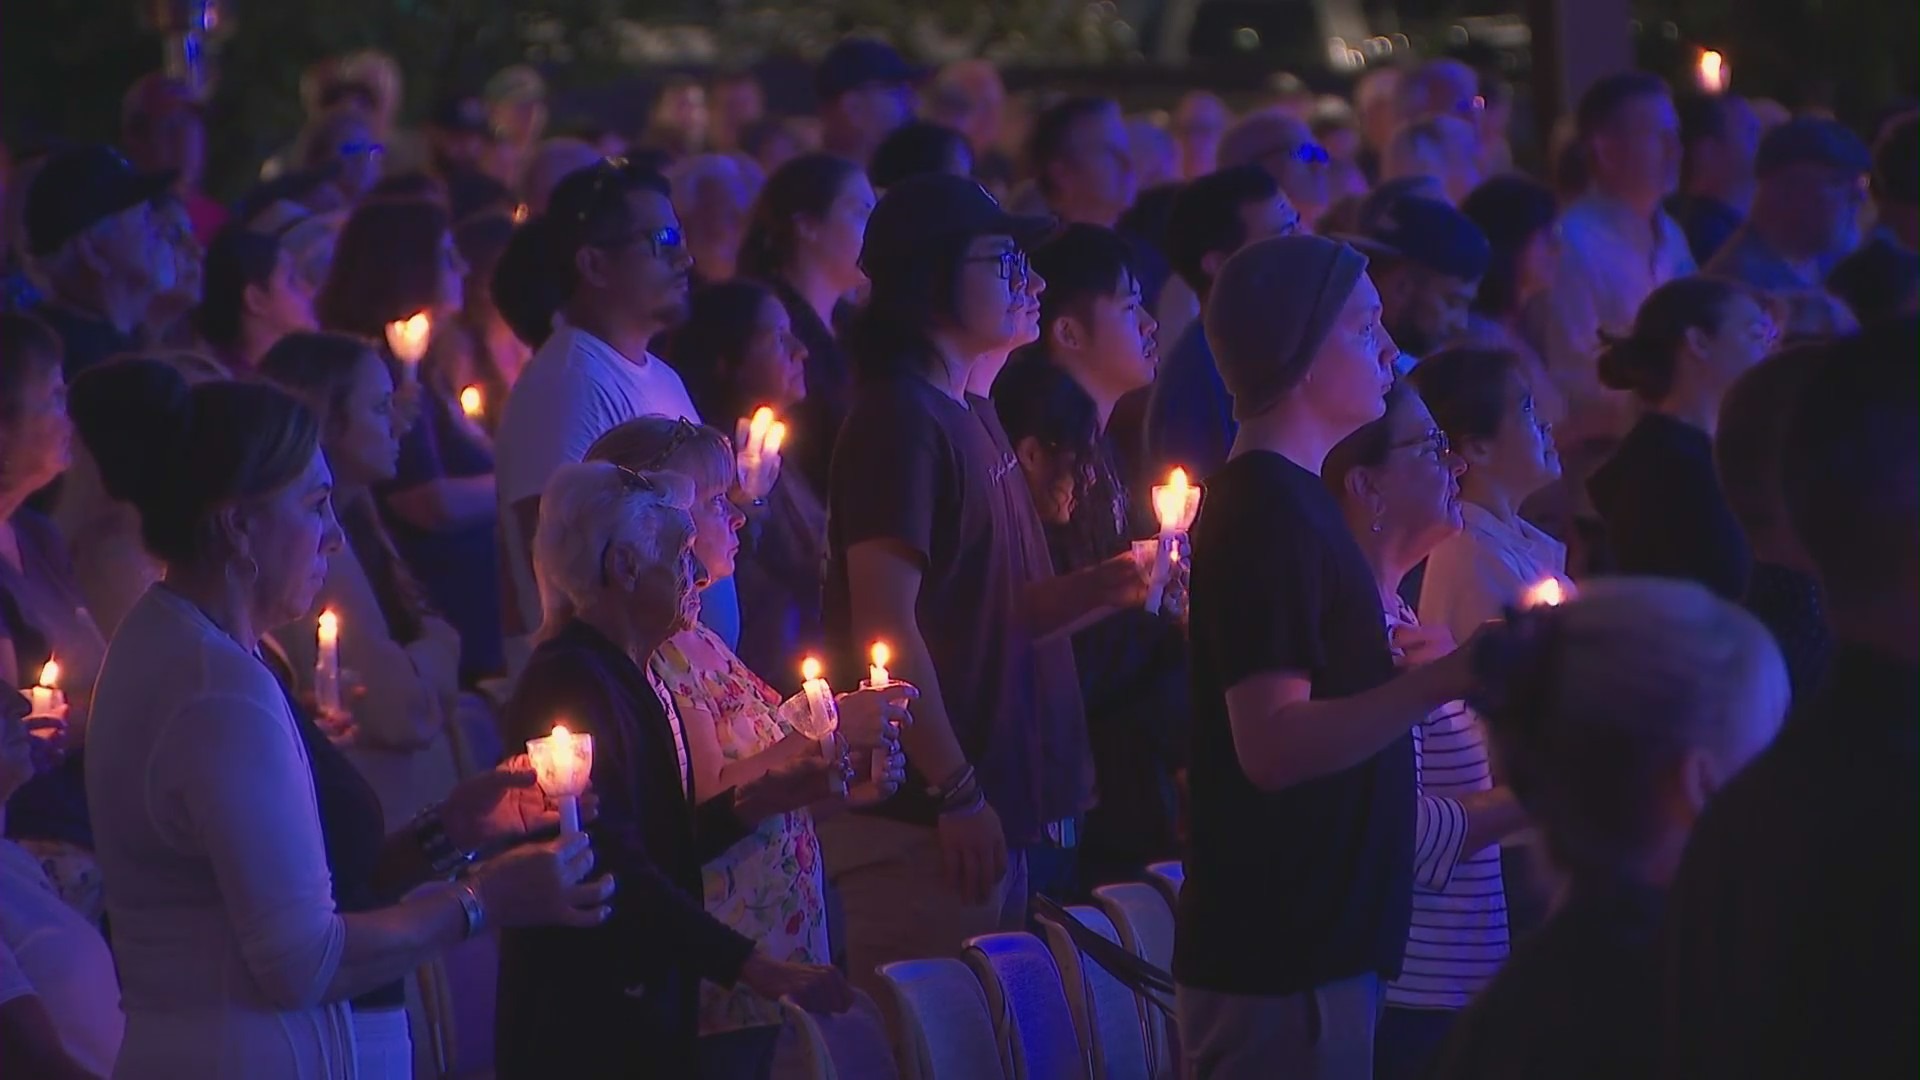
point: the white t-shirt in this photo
(49, 951)
(574, 390)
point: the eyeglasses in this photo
(1435, 441)
(1014, 265)
(661, 242)
(1307, 153)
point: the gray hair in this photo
(586, 509)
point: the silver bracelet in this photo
(471, 907)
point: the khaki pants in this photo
(897, 904)
(1324, 1034)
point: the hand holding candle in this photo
(563, 762)
(46, 697)
(326, 667)
(1547, 592)
(898, 696)
(408, 339)
(1175, 504)
(814, 713)
(757, 443)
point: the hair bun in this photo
(132, 415)
(1626, 363)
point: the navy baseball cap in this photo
(82, 185)
(1429, 233)
(856, 62)
(925, 209)
(1812, 140)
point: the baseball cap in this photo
(856, 62)
(1812, 140)
(82, 185)
(155, 96)
(1271, 306)
(464, 114)
(921, 210)
(1426, 232)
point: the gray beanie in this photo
(1271, 306)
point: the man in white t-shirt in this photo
(623, 265)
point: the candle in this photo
(326, 666)
(1548, 592)
(1175, 504)
(877, 679)
(757, 443)
(520, 213)
(820, 717)
(563, 763)
(1711, 72)
(46, 697)
(473, 403)
(408, 339)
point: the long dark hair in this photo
(179, 453)
(386, 266)
(805, 186)
(1647, 360)
(238, 259)
(909, 298)
(706, 349)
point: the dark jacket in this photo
(1665, 514)
(621, 999)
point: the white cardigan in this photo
(209, 841)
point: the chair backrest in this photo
(1028, 1004)
(1145, 923)
(1106, 1014)
(850, 1046)
(946, 1030)
(1168, 877)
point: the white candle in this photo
(757, 441)
(822, 716)
(326, 666)
(473, 403)
(1175, 504)
(46, 697)
(1711, 72)
(1547, 592)
(408, 338)
(563, 763)
(877, 679)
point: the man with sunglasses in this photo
(1284, 146)
(618, 258)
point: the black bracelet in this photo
(443, 857)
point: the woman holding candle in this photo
(234, 961)
(1484, 400)
(614, 554)
(1658, 494)
(738, 352)
(1617, 717)
(1395, 480)
(770, 885)
(804, 240)
(43, 615)
(388, 635)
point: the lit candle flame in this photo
(1547, 593)
(810, 669)
(761, 423)
(329, 625)
(471, 403)
(50, 674)
(520, 214)
(1711, 71)
(408, 337)
(878, 658)
(776, 435)
(881, 656)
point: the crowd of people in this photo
(1529, 698)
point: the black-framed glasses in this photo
(1014, 266)
(1435, 441)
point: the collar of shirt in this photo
(1520, 536)
(1655, 239)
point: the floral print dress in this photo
(770, 885)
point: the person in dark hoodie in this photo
(1658, 496)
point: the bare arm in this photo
(1283, 737)
(883, 583)
(1069, 603)
(386, 945)
(1492, 816)
(446, 504)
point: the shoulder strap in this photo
(1146, 980)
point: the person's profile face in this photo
(290, 535)
(1441, 305)
(285, 306)
(773, 370)
(1122, 338)
(1521, 457)
(1270, 217)
(1348, 379)
(1419, 481)
(839, 235)
(651, 270)
(361, 443)
(993, 299)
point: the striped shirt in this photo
(1458, 937)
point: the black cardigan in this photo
(620, 999)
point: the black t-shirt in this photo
(917, 467)
(1294, 889)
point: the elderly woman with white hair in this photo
(1614, 718)
(618, 577)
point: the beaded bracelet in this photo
(444, 858)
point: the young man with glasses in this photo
(1299, 870)
(934, 547)
(619, 259)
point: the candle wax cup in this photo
(563, 762)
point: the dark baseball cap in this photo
(856, 62)
(82, 185)
(1812, 140)
(922, 210)
(1429, 233)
